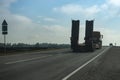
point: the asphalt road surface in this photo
(58, 65)
(106, 67)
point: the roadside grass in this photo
(26, 51)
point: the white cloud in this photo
(40, 16)
(57, 33)
(114, 2)
(110, 36)
(49, 19)
(109, 9)
(23, 29)
(22, 18)
(75, 9)
(6, 3)
(69, 9)
(92, 10)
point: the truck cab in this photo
(97, 39)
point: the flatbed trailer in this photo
(92, 38)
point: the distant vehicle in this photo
(110, 44)
(97, 39)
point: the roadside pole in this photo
(5, 44)
(4, 32)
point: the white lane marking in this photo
(69, 75)
(13, 62)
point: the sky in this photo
(49, 21)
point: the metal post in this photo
(5, 44)
(4, 32)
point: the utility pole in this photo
(4, 32)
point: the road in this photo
(48, 65)
(106, 67)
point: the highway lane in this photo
(106, 67)
(53, 65)
(29, 55)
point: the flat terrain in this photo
(57, 64)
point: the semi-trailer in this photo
(93, 39)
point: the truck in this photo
(92, 38)
(97, 39)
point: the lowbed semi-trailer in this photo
(93, 39)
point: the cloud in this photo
(49, 19)
(40, 16)
(109, 9)
(110, 36)
(75, 9)
(6, 3)
(114, 2)
(57, 33)
(23, 29)
(69, 9)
